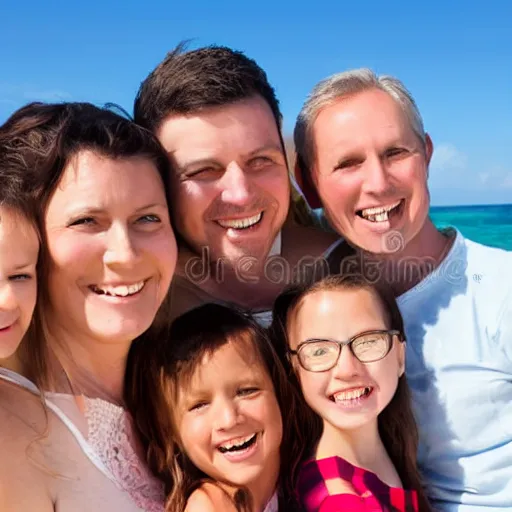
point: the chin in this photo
(125, 332)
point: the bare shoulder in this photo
(22, 423)
(209, 498)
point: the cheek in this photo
(313, 385)
(190, 204)
(195, 437)
(387, 379)
(65, 251)
(338, 192)
(276, 184)
(27, 300)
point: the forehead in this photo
(227, 130)
(338, 314)
(371, 114)
(232, 362)
(93, 177)
(18, 238)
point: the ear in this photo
(303, 179)
(429, 148)
(401, 358)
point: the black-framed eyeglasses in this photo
(320, 355)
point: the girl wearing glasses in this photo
(344, 340)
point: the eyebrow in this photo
(97, 209)
(24, 265)
(268, 147)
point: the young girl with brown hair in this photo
(216, 414)
(345, 341)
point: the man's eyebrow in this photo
(267, 147)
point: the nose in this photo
(226, 415)
(120, 247)
(376, 177)
(348, 365)
(236, 185)
(8, 300)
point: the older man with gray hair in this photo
(363, 152)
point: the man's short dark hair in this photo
(189, 81)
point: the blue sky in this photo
(456, 59)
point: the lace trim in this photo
(111, 436)
(273, 504)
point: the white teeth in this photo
(238, 442)
(119, 291)
(241, 223)
(379, 213)
(350, 395)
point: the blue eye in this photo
(20, 277)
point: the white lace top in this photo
(106, 437)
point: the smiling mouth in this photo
(245, 223)
(380, 213)
(352, 395)
(118, 291)
(238, 445)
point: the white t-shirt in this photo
(459, 367)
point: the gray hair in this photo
(342, 85)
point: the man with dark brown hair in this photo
(235, 207)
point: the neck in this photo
(362, 447)
(405, 268)
(252, 283)
(264, 487)
(13, 363)
(92, 367)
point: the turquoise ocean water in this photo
(486, 224)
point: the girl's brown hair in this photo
(158, 366)
(397, 426)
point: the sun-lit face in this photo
(352, 394)
(229, 418)
(231, 191)
(19, 249)
(111, 248)
(371, 171)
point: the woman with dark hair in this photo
(343, 338)
(108, 255)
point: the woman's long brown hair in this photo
(397, 426)
(158, 366)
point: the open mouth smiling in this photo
(242, 223)
(381, 213)
(127, 290)
(238, 444)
